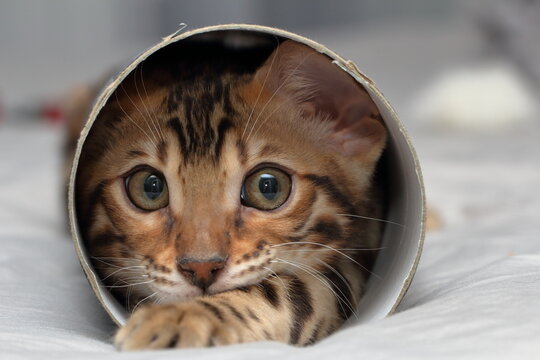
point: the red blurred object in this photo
(52, 113)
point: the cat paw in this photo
(196, 324)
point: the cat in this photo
(226, 203)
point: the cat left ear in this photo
(321, 88)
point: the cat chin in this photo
(229, 282)
(169, 297)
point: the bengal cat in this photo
(225, 205)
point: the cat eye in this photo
(147, 190)
(266, 189)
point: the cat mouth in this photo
(166, 296)
(237, 280)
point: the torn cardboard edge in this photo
(403, 236)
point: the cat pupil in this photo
(153, 187)
(268, 186)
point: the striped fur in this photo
(293, 274)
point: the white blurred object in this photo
(488, 97)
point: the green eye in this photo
(147, 190)
(266, 189)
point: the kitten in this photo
(225, 205)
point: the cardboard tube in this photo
(404, 233)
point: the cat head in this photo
(211, 183)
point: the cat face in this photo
(208, 185)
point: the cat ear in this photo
(320, 88)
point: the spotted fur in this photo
(293, 274)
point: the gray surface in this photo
(475, 293)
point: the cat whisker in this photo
(152, 141)
(142, 300)
(153, 112)
(374, 219)
(113, 258)
(330, 248)
(341, 249)
(126, 279)
(345, 281)
(138, 109)
(324, 280)
(266, 119)
(261, 91)
(107, 263)
(127, 285)
(127, 268)
(128, 297)
(159, 300)
(285, 289)
(144, 103)
(275, 93)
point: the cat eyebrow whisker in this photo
(138, 109)
(266, 119)
(274, 94)
(333, 249)
(321, 277)
(152, 141)
(374, 219)
(260, 92)
(153, 120)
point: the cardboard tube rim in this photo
(346, 65)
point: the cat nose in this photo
(201, 272)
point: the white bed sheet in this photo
(476, 293)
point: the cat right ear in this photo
(297, 73)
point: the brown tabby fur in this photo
(293, 274)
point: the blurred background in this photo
(46, 47)
(463, 75)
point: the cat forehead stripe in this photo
(195, 146)
(197, 123)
